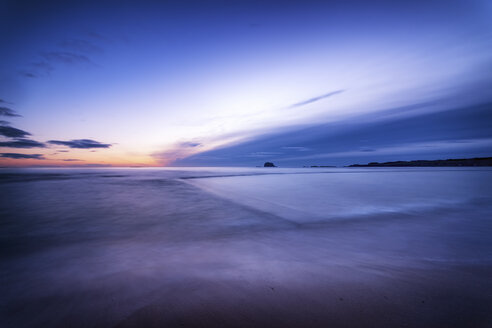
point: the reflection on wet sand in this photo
(137, 248)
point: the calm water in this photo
(246, 247)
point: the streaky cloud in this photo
(38, 69)
(369, 136)
(263, 154)
(5, 111)
(80, 45)
(298, 148)
(80, 143)
(22, 143)
(11, 132)
(65, 57)
(28, 74)
(311, 100)
(21, 156)
(190, 144)
(97, 36)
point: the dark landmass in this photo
(482, 161)
(322, 166)
(269, 164)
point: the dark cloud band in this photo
(311, 100)
(10, 132)
(21, 156)
(5, 111)
(80, 143)
(22, 143)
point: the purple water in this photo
(246, 247)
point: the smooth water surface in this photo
(246, 247)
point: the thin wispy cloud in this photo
(80, 143)
(98, 36)
(177, 151)
(21, 156)
(73, 51)
(66, 57)
(190, 144)
(27, 74)
(263, 154)
(407, 148)
(297, 148)
(22, 143)
(5, 111)
(315, 99)
(11, 132)
(38, 69)
(80, 45)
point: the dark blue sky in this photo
(243, 82)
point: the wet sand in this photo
(160, 252)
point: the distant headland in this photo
(479, 161)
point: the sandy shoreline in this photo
(163, 253)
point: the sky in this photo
(239, 83)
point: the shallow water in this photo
(246, 247)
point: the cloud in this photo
(21, 156)
(72, 160)
(28, 74)
(421, 148)
(297, 148)
(45, 65)
(263, 154)
(22, 143)
(4, 122)
(178, 151)
(66, 57)
(80, 45)
(375, 137)
(80, 143)
(72, 51)
(5, 111)
(311, 100)
(40, 68)
(97, 36)
(190, 144)
(10, 132)
(37, 69)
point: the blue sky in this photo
(238, 83)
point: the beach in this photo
(246, 247)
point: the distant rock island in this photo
(269, 164)
(479, 161)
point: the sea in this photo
(246, 247)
